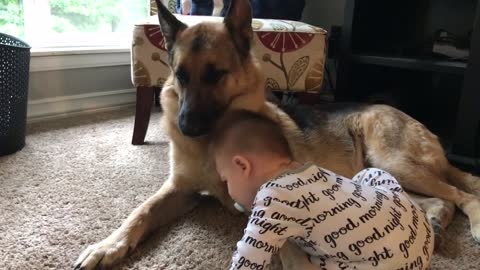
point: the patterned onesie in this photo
(368, 222)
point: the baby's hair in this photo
(242, 131)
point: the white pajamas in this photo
(368, 222)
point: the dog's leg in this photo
(430, 184)
(439, 213)
(167, 204)
(463, 180)
(402, 146)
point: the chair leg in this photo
(157, 96)
(142, 113)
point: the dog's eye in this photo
(213, 75)
(182, 76)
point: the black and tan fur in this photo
(213, 71)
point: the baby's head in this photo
(248, 149)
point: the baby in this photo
(367, 222)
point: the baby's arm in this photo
(265, 233)
(255, 249)
(377, 178)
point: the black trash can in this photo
(14, 71)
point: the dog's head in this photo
(212, 68)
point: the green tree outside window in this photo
(77, 15)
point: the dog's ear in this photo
(239, 23)
(169, 24)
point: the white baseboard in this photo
(76, 104)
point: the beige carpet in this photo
(78, 178)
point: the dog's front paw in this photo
(101, 255)
(475, 228)
(439, 234)
(472, 210)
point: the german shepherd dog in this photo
(213, 71)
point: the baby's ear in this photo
(241, 163)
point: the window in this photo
(72, 23)
(11, 18)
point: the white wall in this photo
(61, 85)
(49, 84)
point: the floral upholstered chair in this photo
(292, 56)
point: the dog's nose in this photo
(191, 125)
(191, 130)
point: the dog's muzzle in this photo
(192, 125)
(197, 115)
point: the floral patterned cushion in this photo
(291, 54)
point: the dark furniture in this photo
(14, 74)
(386, 56)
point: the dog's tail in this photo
(463, 180)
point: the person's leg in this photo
(377, 178)
(294, 10)
(179, 6)
(278, 9)
(226, 5)
(259, 9)
(202, 7)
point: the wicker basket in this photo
(14, 71)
